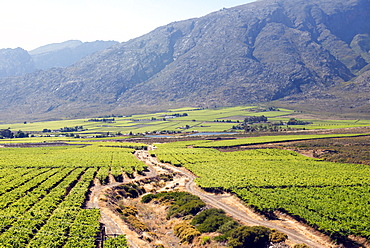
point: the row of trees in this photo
(228, 121)
(7, 134)
(109, 120)
(255, 119)
(294, 121)
(65, 129)
(260, 123)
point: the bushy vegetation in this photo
(129, 190)
(294, 121)
(181, 203)
(277, 237)
(251, 237)
(255, 119)
(214, 220)
(129, 215)
(186, 232)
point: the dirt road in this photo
(214, 200)
(114, 225)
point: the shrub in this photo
(213, 223)
(186, 232)
(212, 220)
(192, 207)
(221, 238)
(206, 240)
(277, 237)
(128, 210)
(147, 198)
(182, 203)
(135, 223)
(228, 226)
(130, 190)
(201, 217)
(251, 237)
(129, 216)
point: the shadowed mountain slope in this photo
(296, 50)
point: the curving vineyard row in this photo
(333, 197)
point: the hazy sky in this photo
(30, 24)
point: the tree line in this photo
(8, 134)
(261, 123)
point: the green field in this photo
(44, 188)
(188, 120)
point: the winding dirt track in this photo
(114, 228)
(243, 217)
(214, 201)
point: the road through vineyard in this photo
(242, 216)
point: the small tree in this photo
(6, 133)
(277, 237)
(21, 134)
(251, 237)
(186, 232)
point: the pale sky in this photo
(31, 24)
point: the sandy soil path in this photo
(296, 232)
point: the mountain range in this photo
(66, 53)
(17, 62)
(312, 54)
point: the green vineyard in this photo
(333, 197)
(44, 190)
(268, 139)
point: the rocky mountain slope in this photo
(15, 62)
(298, 51)
(66, 53)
